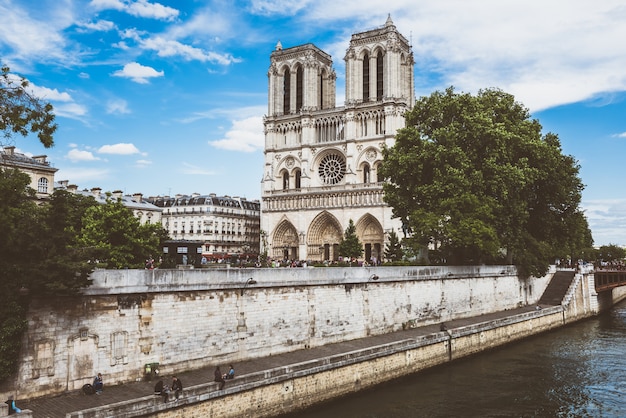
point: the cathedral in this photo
(321, 161)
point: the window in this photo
(299, 93)
(42, 185)
(285, 180)
(366, 77)
(286, 92)
(379, 76)
(366, 173)
(332, 169)
(298, 179)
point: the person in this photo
(177, 386)
(98, 385)
(12, 407)
(219, 377)
(158, 388)
(230, 374)
(165, 393)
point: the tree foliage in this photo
(111, 234)
(350, 245)
(475, 178)
(22, 112)
(393, 249)
(611, 253)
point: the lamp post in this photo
(249, 281)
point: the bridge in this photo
(609, 279)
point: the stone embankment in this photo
(291, 379)
(287, 382)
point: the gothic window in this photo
(366, 173)
(42, 185)
(332, 169)
(285, 180)
(298, 177)
(299, 89)
(379, 177)
(321, 96)
(379, 76)
(286, 92)
(366, 77)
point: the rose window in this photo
(332, 169)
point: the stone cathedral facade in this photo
(321, 161)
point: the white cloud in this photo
(139, 8)
(80, 175)
(169, 48)
(97, 26)
(70, 110)
(622, 135)
(143, 163)
(138, 73)
(30, 38)
(607, 220)
(245, 135)
(119, 149)
(117, 106)
(75, 155)
(195, 170)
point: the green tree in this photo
(115, 236)
(17, 221)
(63, 267)
(393, 249)
(38, 256)
(23, 113)
(350, 246)
(610, 253)
(473, 177)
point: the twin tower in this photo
(321, 161)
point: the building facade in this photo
(144, 211)
(321, 161)
(37, 167)
(219, 227)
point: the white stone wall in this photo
(184, 319)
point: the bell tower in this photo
(379, 67)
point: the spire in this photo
(389, 22)
(279, 46)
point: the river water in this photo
(575, 371)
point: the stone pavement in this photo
(58, 406)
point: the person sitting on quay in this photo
(12, 407)
(219, 377)
(230, 374)
(98, 385)
(177, 386)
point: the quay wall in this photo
(186, 319)
(294, 387)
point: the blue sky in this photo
(167, 96)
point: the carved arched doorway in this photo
(371, 234)
(323, 238)
(285, 241)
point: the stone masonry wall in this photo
(185, 319)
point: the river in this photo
(575, 371)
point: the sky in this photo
(166, 97)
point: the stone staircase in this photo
(557, 288)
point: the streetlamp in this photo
(249, 281)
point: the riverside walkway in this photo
(60, 405)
